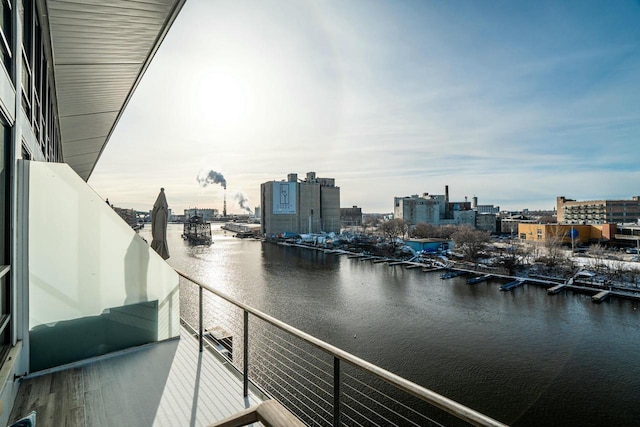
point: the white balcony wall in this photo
(87, 266)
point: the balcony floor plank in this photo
(165, 384)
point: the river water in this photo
(522, 357)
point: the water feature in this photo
(522, 357)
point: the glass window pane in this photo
(4, 194)
(6, 36)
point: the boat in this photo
(197, 231)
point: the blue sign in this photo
(573, 233)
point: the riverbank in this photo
(590, 286)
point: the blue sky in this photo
(510, 101)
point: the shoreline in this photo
(578, 286)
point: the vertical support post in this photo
(200, 315)
(336, 392)
(245, 384)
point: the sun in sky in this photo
(223, 99)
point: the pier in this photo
(512, 285)
(393, 264)
(452, 273)
(555, 289)
(242, 230)
(600, 296)
(478, 279)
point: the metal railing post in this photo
(200, 318)
(336, 392)
(246, 354)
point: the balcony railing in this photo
(319, 383)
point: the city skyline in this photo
(515, 103)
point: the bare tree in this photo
(470, 242)
(371, 222)
(618, 270)
(513, 258)
(634, 276)
(555, 254)
(532, 252)
(599, 255)
(424, 230)
(394, 229)
(446, 231)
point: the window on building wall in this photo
(6, 34)
(49, 120)
(26, 154)
(26, 17)
(5, 162)
(4, 176)
(38, 56)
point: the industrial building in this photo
(487, 222)
(205, 214)
(598, 211)
(300, 206)
(351, 217)
(567, 234)
(433, 209)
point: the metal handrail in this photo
(452, 407)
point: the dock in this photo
(512, 285)
(553, 284)
(600, 296)
(451, 274)
(555, 289)
(478, 279)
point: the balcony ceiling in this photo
(101, 50)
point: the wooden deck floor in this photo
(165, 384)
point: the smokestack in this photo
(446, 201)
(224, 206)
(474, 202)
